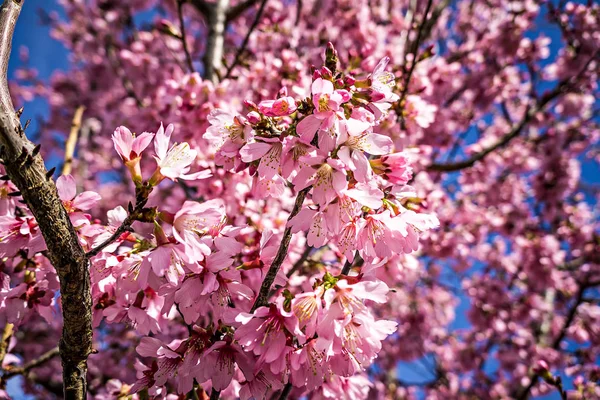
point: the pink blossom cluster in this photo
(477, 116)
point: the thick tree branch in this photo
(263, 295)
(72, 140)
(244, 44)
(213, 54)
(6, 335)
(25, 168)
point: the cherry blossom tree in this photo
(271, 200)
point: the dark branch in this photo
(188, 56)
(118, 70)
(556, 344)
(287, 389)
(414, 49)
(202, 6)
(237, 10)
(263, 295)
(25, 168)
(134, 215)
(47, 356)
(242, 48)
(358, 261)
(298, 264)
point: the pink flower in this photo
(268, 150)
(419, 111)
(292, 151)
(307, 308)
(327, 177)
(382, 85)
(327, 102)
(393, 167)
(367, 194)
(195, 220)
(219, 362)
(278, 108)
(381, 80)
(309, 367)
(173, 162)
(20, 233)
(136, 308)
(228, 133)
(165, 261)
(130, 149)
(73, 202)
(168, 360)
(259, 386)
(265, 333)
(128, 145)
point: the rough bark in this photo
(25, 168)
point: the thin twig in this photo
(115, 64)
(298, 264)
(414, 49)
(215, 394)
(47, 356)
(239, 9)
(72, 140)
(357, 261)
(134, 215)
(188, 56)
(242, 48)
(124, 227)
(287, 389)
(263, 294)
(299, 5)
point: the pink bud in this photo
(251, 105)
(253, 117)
(541, 366)
(326, 73)
(349, 81)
